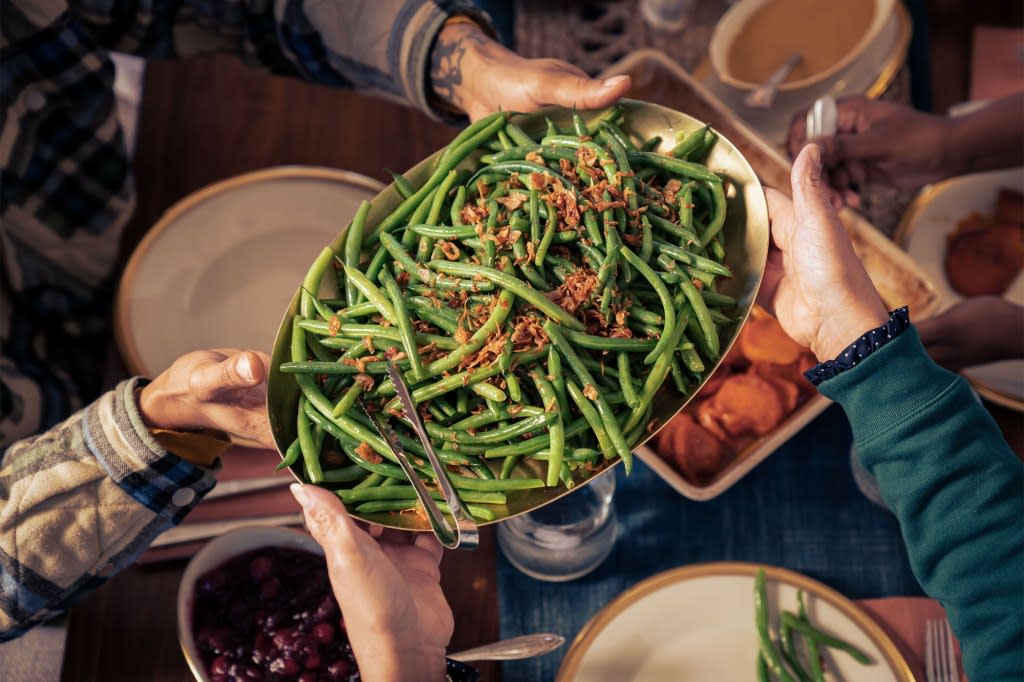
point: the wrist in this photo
(392, 663)
(955, 145)
(460, 48)
(838, 333)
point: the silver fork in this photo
(939, 658)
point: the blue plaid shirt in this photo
(66, 188)
(84, 499)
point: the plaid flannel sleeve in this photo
(381, 47)
(82, 501)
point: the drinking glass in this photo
(566, 539)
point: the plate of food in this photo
(713, 621)
(718, 439)
(542, 341)
(967, 233)
(224, 258)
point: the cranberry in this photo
(339, 669)
(269, 614)
(284, 666)
(307, 677)
(261, 568)
(323, 632)
(269, 588)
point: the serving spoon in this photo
(763, 96)
(513, 649)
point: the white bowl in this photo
(730, 27)
(216, 553)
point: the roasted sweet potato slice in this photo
(762, 340)
(788, 391)
(985, 262)
(696, 453)
(708, 417)
(747, 402)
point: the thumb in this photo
(811, 196)
(327, 520)
(238, 370)
(570, 90)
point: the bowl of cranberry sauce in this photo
(256, 604)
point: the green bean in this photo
(482, 513)
(592, 418)
(489, 392)
(441, 317)
(407, 492)
(513, 284)
(347, 474)
(291, 456)
(685, 234)
(608, 343)
(697, 261)
(813, 655)
(824, 639)
(712, 298)
(674, 166)
(371, 481)
(668, 307)
(404, 187)
(607, 417)
(353, 249)
(517, 135)
(556, 428)
(310, 453)
(371, 292)
(767, 647)
(717, 213)
(659, 370)
(700, 309)
(443, 231)
(693, 141)
(626, 381)
(526, 447)
(762, 668)
(515, 392)
(405, 328)
(311, 283)
(451, 157)
(651, 144)
(790, 656)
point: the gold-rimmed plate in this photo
(923, 232)
(745, 232)
(697, 623)
(216, 269)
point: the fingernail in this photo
(613, 81)
(244, 368)
(301, 495)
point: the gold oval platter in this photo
(745, 234)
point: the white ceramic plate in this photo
(933, 215)
(221, 264)
(868, 75)
(697, 623)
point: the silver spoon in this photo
(763, 95)
(512, 649)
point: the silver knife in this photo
(247, 485)
(203, 530)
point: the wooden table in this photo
(201, 121)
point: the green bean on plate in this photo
(535, 299)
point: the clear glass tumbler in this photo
(566, 539)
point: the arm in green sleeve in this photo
(957, 489)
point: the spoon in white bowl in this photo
(763, 95)
(513, 649)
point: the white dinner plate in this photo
(868, 75)
(933, 215)
(221, 264)
(697, 623)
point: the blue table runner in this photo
(799, 509)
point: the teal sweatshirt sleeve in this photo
(957, 489)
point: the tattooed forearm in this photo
(446, 75)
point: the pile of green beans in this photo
(536, 291)
(784, 662)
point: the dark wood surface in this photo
(201, 121)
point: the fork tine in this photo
(950, 653)
(929, 651)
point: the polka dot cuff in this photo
(899, 320)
